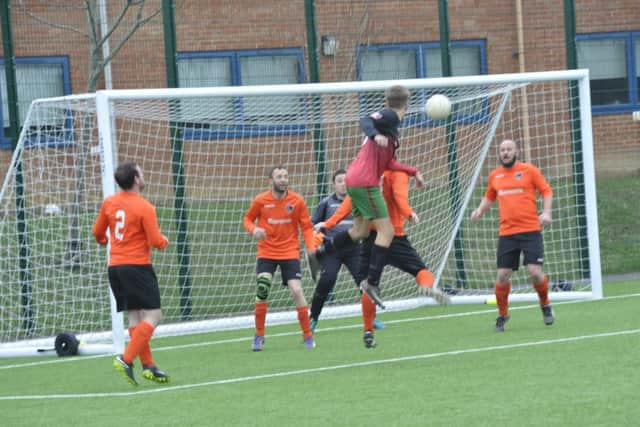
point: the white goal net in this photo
(206, 153)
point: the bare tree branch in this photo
(50, 23)
(140, 21)
(93, 33)
(116, 23)
(97, 63)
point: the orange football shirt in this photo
(395, 190)
(515, 189)
(281, 219)
(133, 228)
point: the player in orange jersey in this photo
(279, 213)
(133, 229)
(402, 255)
(514, 185)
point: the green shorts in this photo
(367, 202)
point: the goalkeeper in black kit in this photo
(332, 263)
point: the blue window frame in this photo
(420, 60)
(613, 60)
(37, 77)
(236, 116)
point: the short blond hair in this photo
(397, 96)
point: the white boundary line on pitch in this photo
(321, 369)
(285, 334)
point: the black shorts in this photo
(401, 255)
(135, 287)
(404, 257)
(289, 268)
(509, 248)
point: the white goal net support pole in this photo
(206, 153)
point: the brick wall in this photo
(246, 24)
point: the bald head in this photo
(508, 153)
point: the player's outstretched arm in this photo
(485, 204)
(343, 211)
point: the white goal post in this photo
(206, 153)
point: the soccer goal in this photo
(206, 153)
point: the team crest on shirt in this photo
(518, 175)
(289, 208)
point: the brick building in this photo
(244, 42)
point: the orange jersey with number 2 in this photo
(133, 228)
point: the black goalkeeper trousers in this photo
(331, 265)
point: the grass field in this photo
(619, 223)
(436, 366)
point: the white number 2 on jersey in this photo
(120, 219)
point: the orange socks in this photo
(425, 278)
(303, 319)
(140, 338)
(502, 297)
(542, 288)
(145, 354)
(261, 316)
(368, 311)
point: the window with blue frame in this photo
(613, 60)
(241, 116)
(419, 60)
(37, 77)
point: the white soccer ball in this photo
(52, 209)
(438, 107)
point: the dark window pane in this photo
(609, 91)
(606, 60)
